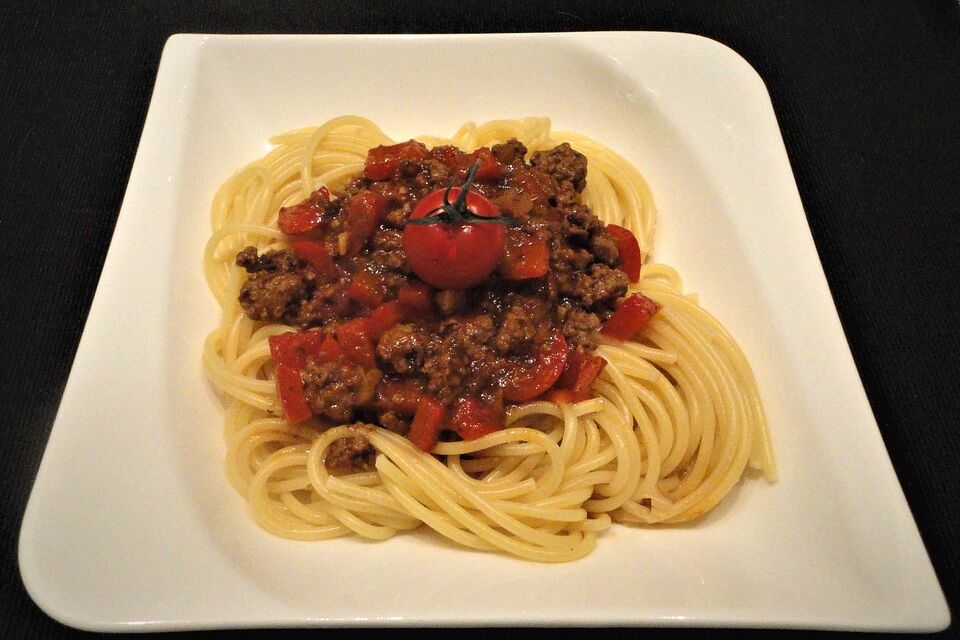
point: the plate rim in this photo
(181, 48)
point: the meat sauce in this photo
(376, 344)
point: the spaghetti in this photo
(675, 423)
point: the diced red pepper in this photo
(473, 419)
(528, 187)
(366, 288)
(355, 343)
(489, 169)
(588, 368)
(525, 382)
(290, 391)
(576, 381)
(449, 156)
(383, 317)
(293, 349)
(525, 256)
(416, 297)
(382, 161)
(514, 203)
(629, 248)
(363, 213)
(304, 216)
(460, 162)
(631, 316)
(329, 350)
(570, 370)
(560, 396)
(399, 396)
(425, 428)
(315, 252)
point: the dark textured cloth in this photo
(867, 95)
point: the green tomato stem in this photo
(456, 212)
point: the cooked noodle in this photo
(674, 425)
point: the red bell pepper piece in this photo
(560, 396)
(473, 419)
(489, 169)
(382, 161)
(304, 216)
(532, 185)
(383, 317)
(416, 297)
(629, 249)
(293, 349)
(399, 396)
(525, 256)
(588, 368)
(577, 379)
(460, 162)
(355, 343)
(364, 212)
(570, 370)
(631, 316)
(525, 382)
(329, 350)
(425, 428)
(315, 253)
(366, 288)
(449, 156)
(290, 391)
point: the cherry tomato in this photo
(454, 255)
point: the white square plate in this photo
(133, 525)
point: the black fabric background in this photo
(866, 94)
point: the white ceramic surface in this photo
(132, 524)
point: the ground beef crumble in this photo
(350, 455)
(278, 283)
(334, 390)
(464, 346)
